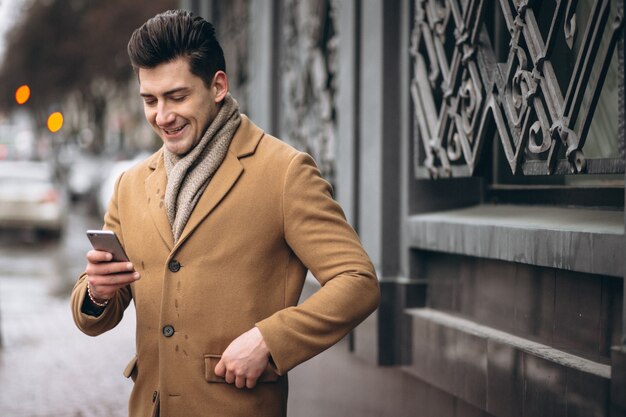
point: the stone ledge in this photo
(582, 240)
(537, 349)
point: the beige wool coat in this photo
(265, 218)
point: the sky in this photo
(9, 10)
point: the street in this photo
(47, 366)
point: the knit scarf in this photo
(189, 175)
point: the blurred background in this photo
(70, 122)
(477, 147)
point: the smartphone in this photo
(105, 240)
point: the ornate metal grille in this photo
(529, 71)
(308, 68)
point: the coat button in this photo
(154, 395)
(174, 266)
(168, 331)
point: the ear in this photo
(220, 86)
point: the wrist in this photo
(261, 344)
(96, 301)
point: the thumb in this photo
(220, 369)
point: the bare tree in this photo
(73, 50)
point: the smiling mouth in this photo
(174, 131)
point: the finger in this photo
(240, 382)
(114, 280)
(220, 369)
(251, 382)
(106, 268)
(96, 256)
(229, 377)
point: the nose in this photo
(164, 116)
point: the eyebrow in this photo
(168, 92)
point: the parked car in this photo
(30, 198)
(108, 184)
(85, 176)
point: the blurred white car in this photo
(30, 198)
(108, 184)
(85, 176)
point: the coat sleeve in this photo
(114, 311)
(316, 230)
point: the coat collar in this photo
(244, 143)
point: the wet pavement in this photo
(49, 368)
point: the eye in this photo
(178, 98)
(149, 101)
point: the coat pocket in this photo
(210, 361)
(131, 369)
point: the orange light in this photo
(22, 94)
(55, 122)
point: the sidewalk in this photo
(48, 367)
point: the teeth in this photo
(178, 129)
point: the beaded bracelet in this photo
(93, 300)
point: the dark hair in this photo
(174, 34)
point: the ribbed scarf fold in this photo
(189, 175)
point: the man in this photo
(220, 225)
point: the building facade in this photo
(477, 146)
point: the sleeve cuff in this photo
(90, 308)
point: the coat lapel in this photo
(220, 184)
(244, 144)
(155, 191)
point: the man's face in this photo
(177, 104)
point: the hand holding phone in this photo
(105, 277)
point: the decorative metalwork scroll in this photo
(308, 68)
(528, 72)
